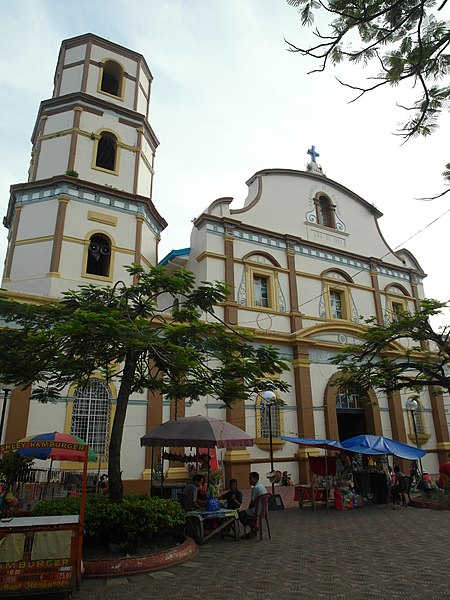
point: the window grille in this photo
(91, 415)
(346, 398)
(420, 421)
(264, 420)
(260, 291)
(336, 305)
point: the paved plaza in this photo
(374, 553)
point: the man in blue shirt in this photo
(247, 516)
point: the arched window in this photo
(106, 151)
(112, 78)
(396, 303)
(265, 421)
(260, 287)
(337, 302)
(99, 255)
(325, 211)
(91, 415)
(419, 421)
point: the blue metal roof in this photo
(173, 254)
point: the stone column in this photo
(237, 461)
(63, 201)
(304, 401)
(440, 423)
(12, 242)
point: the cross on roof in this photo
(312, 152)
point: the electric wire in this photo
(318, 296)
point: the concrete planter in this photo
(120, 567)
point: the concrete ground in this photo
(373, 553)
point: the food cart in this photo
(43, 554)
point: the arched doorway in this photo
(350, 412)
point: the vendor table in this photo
(311, 494)
(39, 555)
(225, 519)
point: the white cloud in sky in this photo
(229, 100)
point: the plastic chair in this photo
(261, 508)
(185, 501)
(405, 487)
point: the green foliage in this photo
(129, 524)
(407, 354)
(14, 468)
(72, 173)
(57, 507)
(405, 37)
(158, 334)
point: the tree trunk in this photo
(115, 485)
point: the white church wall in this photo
(44, 418)
(58, 122)
(364, 303)
(74, 54)
(38, 220)
(142, 100)
(56, 158)
(144, 183)
(28, 261)
(135, 427)
(148, 248)
(71, 79)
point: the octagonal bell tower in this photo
(86, 210)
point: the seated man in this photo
(191, 490)
(232, 498)
(247, 516)
(396, 489)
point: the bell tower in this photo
(86, 209)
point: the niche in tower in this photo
(99, 256)
(106, 151)
(112, 78)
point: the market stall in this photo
(354, 478)
(199, 432)
(322, 473)
(43, 554)
(372, 479)
(203, 434)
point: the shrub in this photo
(129, 524)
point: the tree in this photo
(405, 37)
(395, 357)
(125, 332)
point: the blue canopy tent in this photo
(326, 444)
(378, 444)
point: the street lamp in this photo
(412, 405)
(6, 387)
(268, 398)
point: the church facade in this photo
(304, 256)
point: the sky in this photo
(228, 100)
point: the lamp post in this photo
(412, 405)
(6, 387)
(268, 400)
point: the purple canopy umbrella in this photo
(198, 431)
